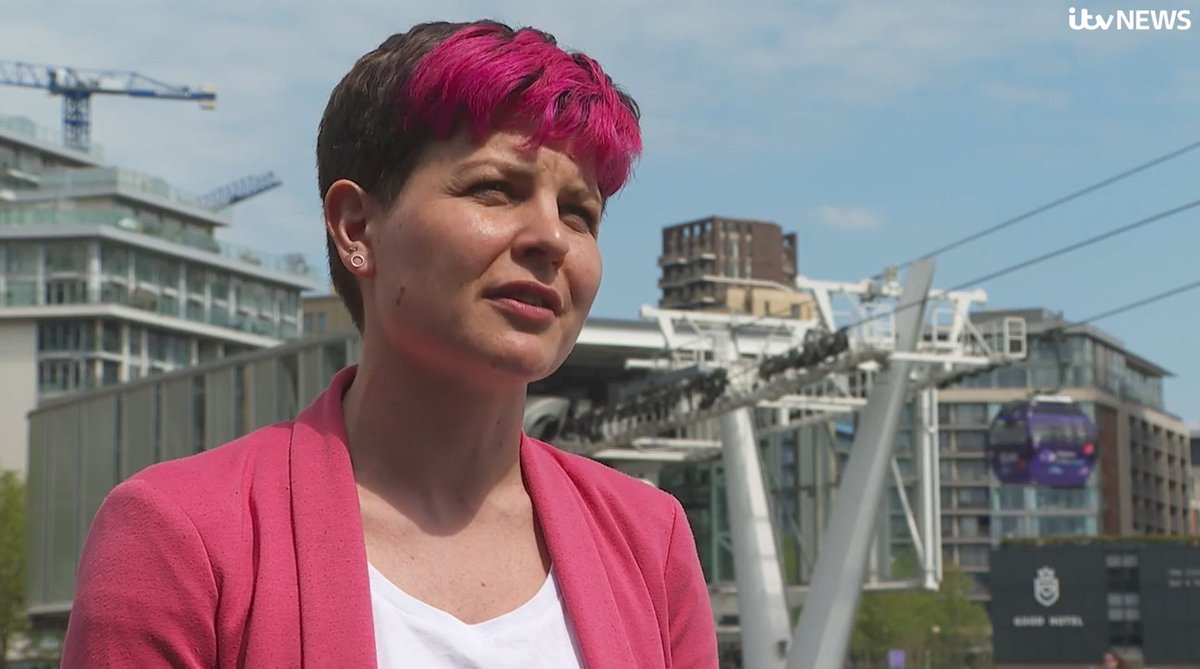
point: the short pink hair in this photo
(438, 78)
(484, 76)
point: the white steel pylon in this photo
(827, 619)
(809, 372)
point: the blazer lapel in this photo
(336, 623)
(582, 578)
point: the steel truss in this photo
(725, 380)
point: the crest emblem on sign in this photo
(1045, 587)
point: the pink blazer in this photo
(252, 555)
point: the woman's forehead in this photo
(517, 149)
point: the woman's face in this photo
(487, 264)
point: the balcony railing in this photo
(293, 264)
(25, 127)
(114, 177)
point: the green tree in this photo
(942, 629)
(12, 560)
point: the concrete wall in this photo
(18, 391)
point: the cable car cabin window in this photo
(1059, 431)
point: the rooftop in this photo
(25, 130)
(1041, 320)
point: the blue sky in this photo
(876, 131)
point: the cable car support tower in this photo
(903, 342)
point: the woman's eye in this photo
(491, 189)
(581, 218)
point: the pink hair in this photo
(482, 77)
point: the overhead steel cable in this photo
(1041, 209)
(1055, 203)
(1063, 250)
(1138, 303)
(1013, 221)
(1047, 256)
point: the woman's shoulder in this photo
(219, 476)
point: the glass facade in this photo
(1085, 362)
(107, 272)
(1085, 359)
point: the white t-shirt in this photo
(410, 634)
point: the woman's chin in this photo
(521, 362)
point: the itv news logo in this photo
(1130, 19)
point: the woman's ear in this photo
(346, 208)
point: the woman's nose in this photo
(543, 232)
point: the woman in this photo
(404, 519)
(1114, 661)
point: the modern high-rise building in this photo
(1142, 484)
(731, 265)
(107, 275)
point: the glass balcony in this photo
(191, 236)
(114, 177)
(25, 127)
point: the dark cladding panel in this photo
(1101, 595)
(1170, 604)
(1048, 605)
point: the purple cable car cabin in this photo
(1046, 441)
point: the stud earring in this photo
(357, 260)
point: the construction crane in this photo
(236, 191)
(77, 86)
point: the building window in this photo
(114, 292)
(970, 414)
(943, 414)
(1063, 526)
(1011, 498)
(110, 337)
(971, 441)
(1012, 377)
(66, 258)
(1011, 527)
(972, 470)
(135, 341)
(114, 262)
(66, 291)
(974, 556)
(66, 335)
(146, 269)
(972, 498)
(57, 376)
(110, 373)
(1124, 605)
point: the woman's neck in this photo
(429, 443)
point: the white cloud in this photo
(848, 218)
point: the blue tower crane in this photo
(77, 86)
(242, 189)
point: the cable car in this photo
(1047, 440)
